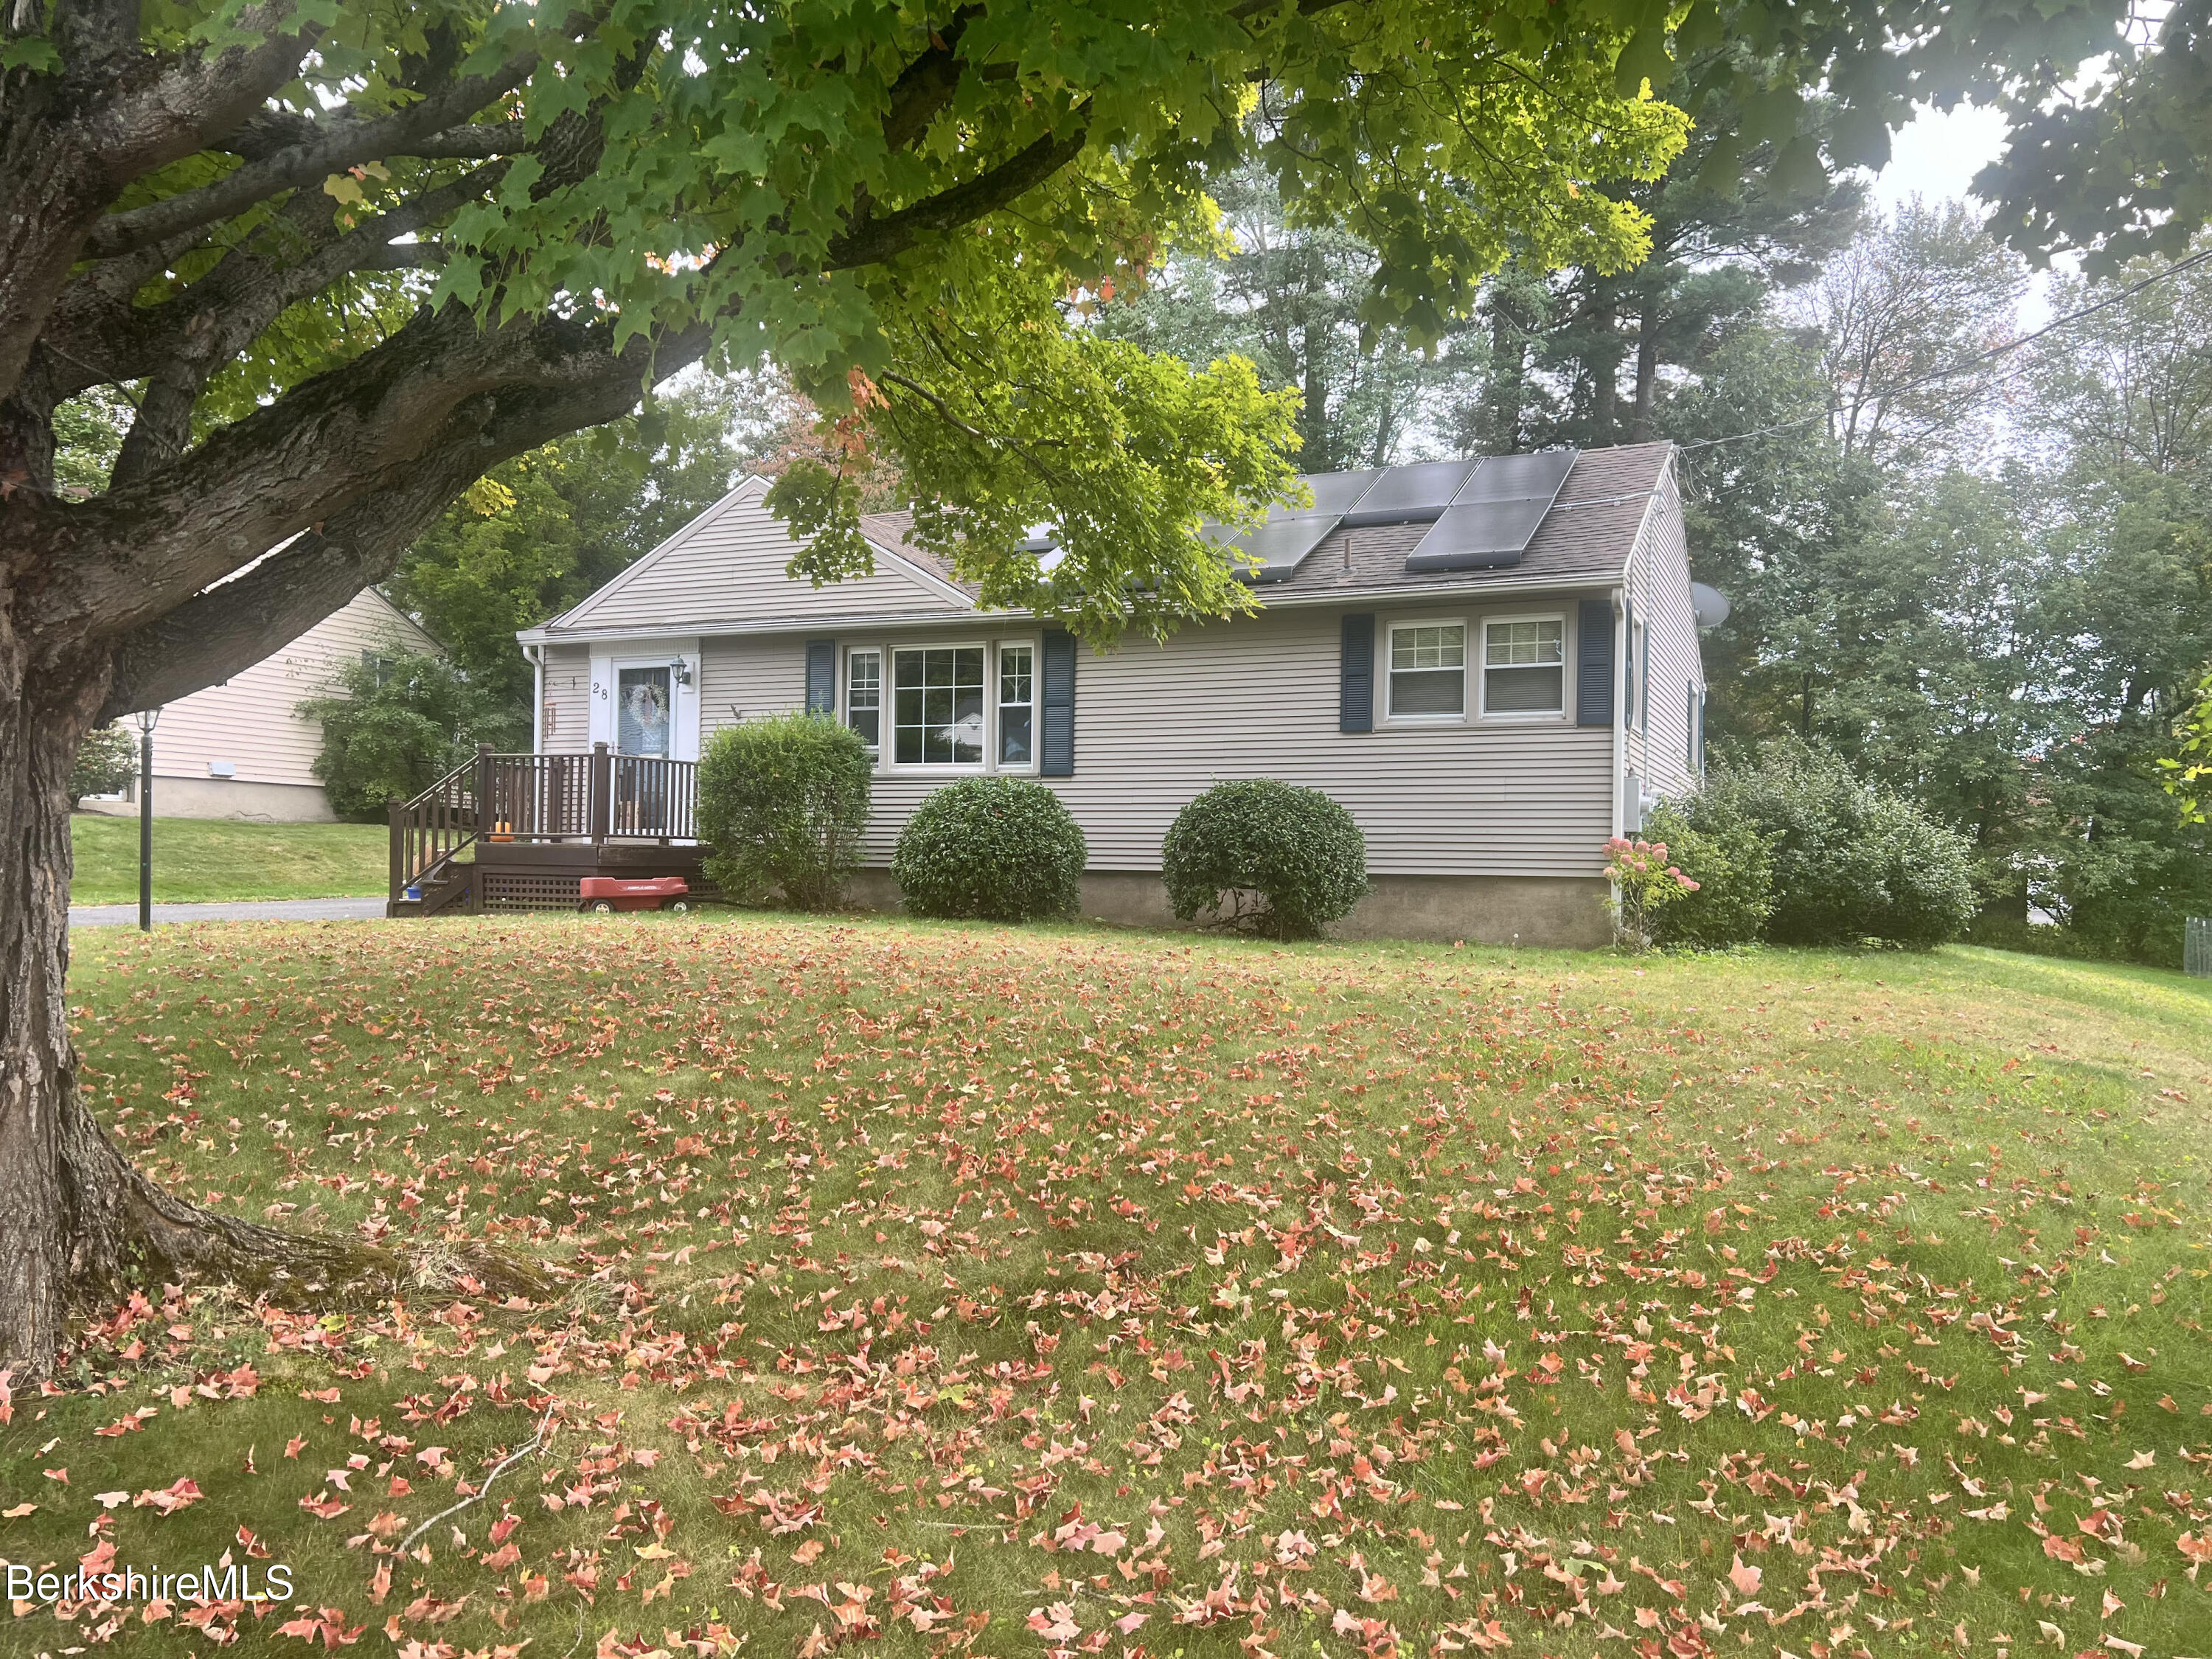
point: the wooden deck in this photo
(520, 832)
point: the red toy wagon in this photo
(604, 894)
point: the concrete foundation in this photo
(1560, 912)
(225, 797)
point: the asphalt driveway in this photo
(331, 909)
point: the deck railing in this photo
(599, 797)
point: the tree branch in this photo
(428, 408)
(873, 241)
(218, 316)
(73, 141)
(196, 100)
(233, 624)
(344, 142)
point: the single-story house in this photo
(1492, 663)
(241, 749)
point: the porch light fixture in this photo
(679, 670)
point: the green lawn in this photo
(209, 860)
(934, 1289)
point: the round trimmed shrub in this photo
(998, 849)
(783, 802)
(1265, 856)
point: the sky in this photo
(1936, 156)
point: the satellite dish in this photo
(1711, 603)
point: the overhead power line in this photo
(1965, 364)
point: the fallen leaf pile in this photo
(928, 1290)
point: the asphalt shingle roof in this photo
(1584, 540)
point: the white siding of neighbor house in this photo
(1155, 725)
(727, 566)
(565, 721)
(250, 719)
(1659, 748)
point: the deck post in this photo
(603, 789)
(486, 815)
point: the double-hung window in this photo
(1017, 705)
(864, 697)
(1525, 666)
(937, 706)
(1428, 670)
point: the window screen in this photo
(864, 696)
(1428, 669)
(1524, 666)
(1017, 705)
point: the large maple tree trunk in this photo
(77, 1218)
(49, 1192)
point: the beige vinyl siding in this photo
(1662, 578)
(727, 566)
(250, 719)
(1155, 725)
(749, 677)
(566, 719)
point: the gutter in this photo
(732, 628)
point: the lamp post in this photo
(146, 719)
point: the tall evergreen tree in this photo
(1292, 298)
(1587, 355)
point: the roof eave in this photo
(728, 627)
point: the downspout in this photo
(1620, 645)
(537, 655)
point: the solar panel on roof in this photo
(1279, 544)
(1409, 495)
(1494, 514)
(1335, 493)
(1293, 531)
(1511, 478)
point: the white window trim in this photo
(889, 759)
(1520, 716)
(882, 654)
(1390, 627)
(1035, 648)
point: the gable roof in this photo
(726, 568)
(724, 572)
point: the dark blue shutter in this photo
(1056, 742)
(1593, 664)
(1355, 693)
(822, 677)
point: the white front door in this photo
(644, 701)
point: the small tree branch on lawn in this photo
(529, 1447)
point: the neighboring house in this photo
(241, 749)
(1443, 649)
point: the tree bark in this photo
(1605, 375)
(76, 1220)
(1641, 420)
(1509, 377)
